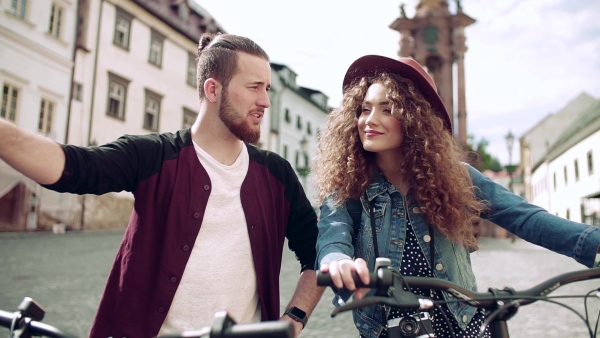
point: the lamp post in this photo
(510, 139)
(305, 169)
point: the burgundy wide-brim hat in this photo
(370, 65)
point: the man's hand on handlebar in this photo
(341, 272)
(296, 325)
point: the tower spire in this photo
(435, 38)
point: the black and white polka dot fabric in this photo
(415, 264)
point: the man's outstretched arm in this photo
(35, 156)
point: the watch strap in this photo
(297, 315)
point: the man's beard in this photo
(230, 117)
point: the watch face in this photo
(297, 312)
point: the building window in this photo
(156, 48)
(308, 128)
(554, 179)
(56, 12)
(590, 163)
(122, 28)
(565, 172)
(576, 171)
(117, 95)
(191, 70)
(152, 110)
(77, 91)
(285, 151)
(568, 214)
(10, 100)
(46, 114)
(287, 116)
(189, 117)
(18, 8)
(299, 122)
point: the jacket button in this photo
(416, 210)
(161, 309)
(206, 187)
(439, 266)
(185, 247)
(464, 318)
(196, 215)
(173, 279)
(427, 238)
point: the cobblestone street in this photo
(66, 274)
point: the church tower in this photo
(435, 38)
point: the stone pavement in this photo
(66, 274)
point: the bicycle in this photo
(392, 289)
(25, 323)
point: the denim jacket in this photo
(452, 261)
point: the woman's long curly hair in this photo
(432, 166)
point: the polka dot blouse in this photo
(415, 264)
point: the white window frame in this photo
(46, 116)
(10, 102)
(122, 29)
(56, 13)
(117, 94)
(156, 48)
(189, 117)
(191, 70)
(151, 110)
(18, 8)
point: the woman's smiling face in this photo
(380, 132)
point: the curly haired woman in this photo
(391, 145)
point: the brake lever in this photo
(357, 304)
(394, 296)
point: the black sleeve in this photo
(302, 225)
(113, 167)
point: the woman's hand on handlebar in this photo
(341, 272)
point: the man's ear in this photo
(212, 89)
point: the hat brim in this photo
(370, 65)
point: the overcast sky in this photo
(525, 59)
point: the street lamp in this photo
(304, 170)
(510, 139)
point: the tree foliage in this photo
(478, 156)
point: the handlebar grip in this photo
(324, 279)
(272, 329)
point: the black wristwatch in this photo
(297, 315)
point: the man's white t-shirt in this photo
(220, 273)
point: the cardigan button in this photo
(173, 279)
(196, 215)
(427, 238)
(161, 309)
(416, 210)
(464, 318)
(206, 187)
(439, 267)
(185, 247)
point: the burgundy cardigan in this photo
(171, 189)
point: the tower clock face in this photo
(430, 35)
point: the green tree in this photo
(478, 156)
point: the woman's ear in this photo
(212, 89)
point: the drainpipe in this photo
(93, 92)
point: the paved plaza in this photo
(66, 274)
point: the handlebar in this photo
(35, 328)
(225, 327)
(25, 324)
(385, 279)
